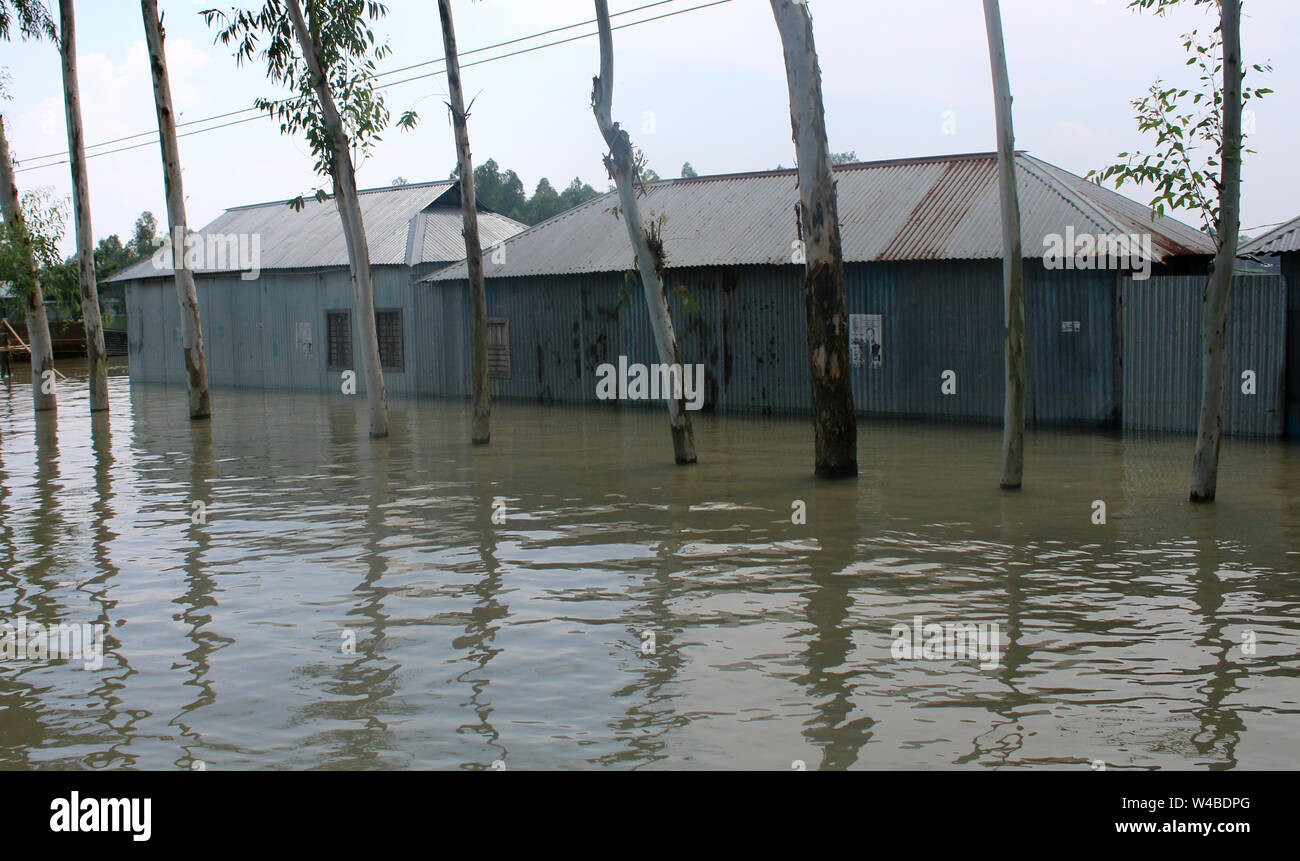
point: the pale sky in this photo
(706, 86)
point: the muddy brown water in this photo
(351, 604)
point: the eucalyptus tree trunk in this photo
(834, 420)
(619, 163)
(354, 232)
(196, 367)
(96, 355)
(1205, 459)
(1013, 264)
(38, 325)
(482, 429)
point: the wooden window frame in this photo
(329, 341)
(504, 323)
(400, 366)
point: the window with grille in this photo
(498, 351)
(388, 323)
(338, 335)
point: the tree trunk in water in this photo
(482, 430)
(619, 163)
(1013, 264)
(1205, 460)
(834, 420)
(38, 325)
(354, 231)
(96, 355)
(196, 366)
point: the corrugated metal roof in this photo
(1276, 241)
(405, 225)
(435, 235)
(941, 207)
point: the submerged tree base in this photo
(848, 469)
(684, 445)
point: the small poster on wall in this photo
(864, 340)
(302, 338)
(873, 340)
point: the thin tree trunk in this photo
(96, 355)
(834, 420)
(354, 231)
(1013, 264)
(1205, 459)
(619, 163)
(482, 429)
(38, 325)
(196, 367)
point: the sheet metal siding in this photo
(1291, 273)
(749, 332)
(439, 347)
(561, 329)
(1072, 376)
(945, 316)
(1162, 354)
(935, 317)
(764, 358)
(251, 329)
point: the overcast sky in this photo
(706, 86)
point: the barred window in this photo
(388, 323)
(338, 336)
(498, 351)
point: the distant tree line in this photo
(503, 193)
(61, 281)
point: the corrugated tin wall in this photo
(747, 326)
(1161, 322)
(1073, 370)
(948, 316)
(268, 332)
(1291, 273)
(748, 329)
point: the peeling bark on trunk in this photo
(96, 355)
(196, 367)
(482, 429)
(1205, 459)
(1013, 264)
(619, 163)
(354, 232)
(38, 325)
(834, 420)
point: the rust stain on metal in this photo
(931, 223)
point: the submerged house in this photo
(275, 290)
(1112, 298)
(923, 278)
(1284, 241)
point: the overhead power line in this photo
(153, 135)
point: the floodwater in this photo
(350, 604)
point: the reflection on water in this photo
(340, 602)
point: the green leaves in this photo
(1183, 165)
(38, 233)
(348, 49)
(34, 21)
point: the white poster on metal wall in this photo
(864, 340)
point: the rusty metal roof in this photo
(405, 225)
(1277, 241)
(934, 208)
